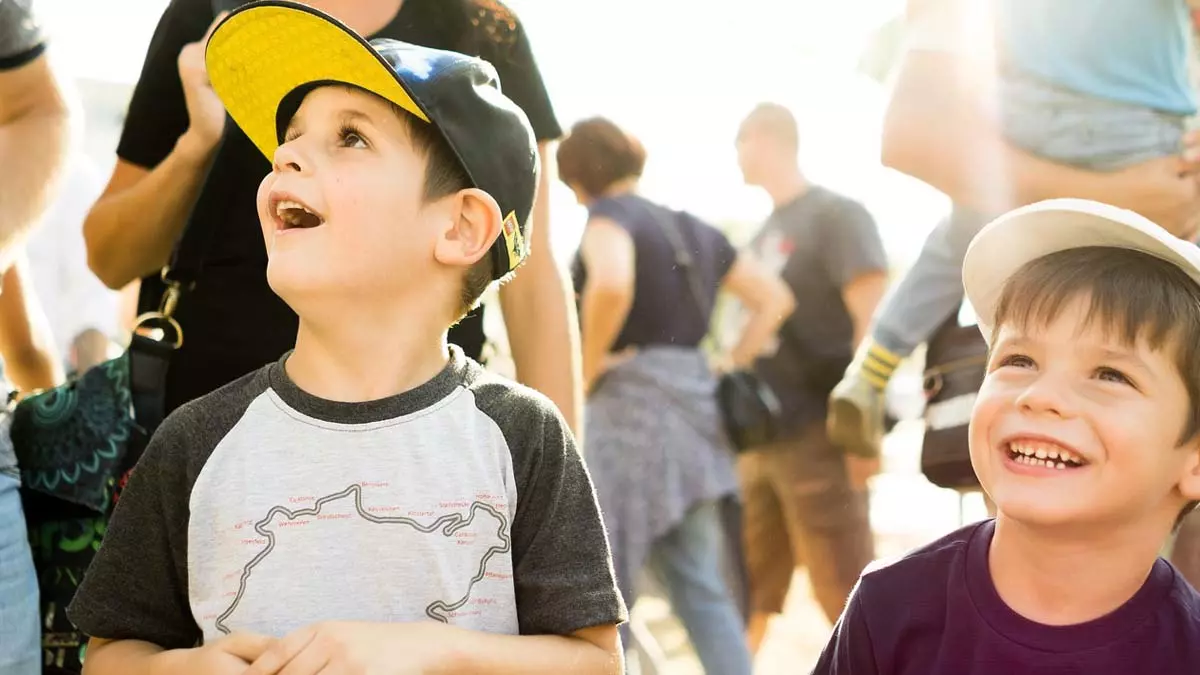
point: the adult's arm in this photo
(768, 301)
(539, 313)
(608, 252)
(35, 134)
(538, 304)
(171, 131)
(31, 360)
(940, 128)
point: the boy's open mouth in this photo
(294, 215)
(1047, 455)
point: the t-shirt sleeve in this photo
(21, 37)
(508, 48)
(562, 566)
(136, 586)
(852, 242)
(849, 650)
(157, 114)
(724, 253)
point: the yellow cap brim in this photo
(261, 53)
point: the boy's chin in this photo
(1039, 510)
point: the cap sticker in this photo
(513, 240)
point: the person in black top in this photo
(232, 322)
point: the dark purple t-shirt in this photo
(936, 612)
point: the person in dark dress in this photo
(170, 159)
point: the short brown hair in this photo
(776, 121)
(444, 176)
(1133, 295)
(596, 154)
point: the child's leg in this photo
(930, 292)
(689, 562)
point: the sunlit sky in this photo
(680, 75)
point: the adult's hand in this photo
(1165, 190)
(206, 113)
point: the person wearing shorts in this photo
(805, 499)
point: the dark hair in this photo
(775, 121)
(1133, 296)
(444, 176)
(597, 154)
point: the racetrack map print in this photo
(283, 528)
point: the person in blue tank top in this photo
(1090, 101)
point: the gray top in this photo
(819, 243)
(262, 508)
(21, 37)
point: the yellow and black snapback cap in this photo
(264, 57)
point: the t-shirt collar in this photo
(1058, 639)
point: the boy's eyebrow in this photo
(352, 114)
(344, 115)
(1124, 356)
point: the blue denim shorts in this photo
(20, 636)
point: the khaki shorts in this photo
(801, 510)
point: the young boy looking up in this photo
(374, 502)
(1086, 435)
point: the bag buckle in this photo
(156, 323)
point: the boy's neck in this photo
(1059, 578)
(354, 361)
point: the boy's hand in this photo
(357, 649)
(230, 655)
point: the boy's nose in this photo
(289, 159)
(1046, 395)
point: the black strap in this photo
(686, 262)
(187, 260)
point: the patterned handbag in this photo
(75, 446)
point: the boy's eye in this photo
(1113, 375)
(1016, 361)
(351, 138)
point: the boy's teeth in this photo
(286, 204)
(1043, 454)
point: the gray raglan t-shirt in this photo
(21, 36)
(262, 508)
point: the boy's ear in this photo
(1189, 483)
(473, 227)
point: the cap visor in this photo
(263, 51)
(1007, 244)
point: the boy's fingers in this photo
(279, 655)
(247, 646)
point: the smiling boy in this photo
(1086, 434)
(374, 502)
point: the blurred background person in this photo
(79, 309)
(34, 137)
(806, 497)
(1062, 107)
(655, 445)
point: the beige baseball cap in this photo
(1023, 235)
